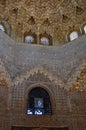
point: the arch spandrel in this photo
(3, 83)
(43, 72)
(77, 81)
(5, 79)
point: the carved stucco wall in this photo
(55, 17)
(61, 71)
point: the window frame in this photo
(47, 36)
(30, 33)
(72, 37)
(45, 107)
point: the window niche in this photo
(84, 29)
(45, 39)
(30, 38)
(2, 28)
(73, 35)
(5, 27)
(39, 102)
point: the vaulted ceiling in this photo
(56, 17)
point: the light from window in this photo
(38, 112)
(29, 112)
(44, 41)
(85, 29)
(73, 36)
(29, 39)
(39, 102)
(2, 28)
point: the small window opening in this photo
(2, 28)
(29, 39)
(39, 102)
(44, 41)
(73, 36)
(85, 29)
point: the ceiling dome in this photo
(55, 17)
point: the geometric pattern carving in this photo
(49, 14)
(2, 82)
(79, 10)
(5, 79)
(80, 84)
(65, 18)
(46, 22)
(78, 101)
(31, 21)
(39, 76)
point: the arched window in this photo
(2, 28)
(45, 39)
(5, 27)
(29, 39)
(85, 29)
(39, 102)
(73, 35)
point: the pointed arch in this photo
(30, 37)
(45, 88)
(45, 39)
(39, 102)
(73, 33)
(43, 71)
